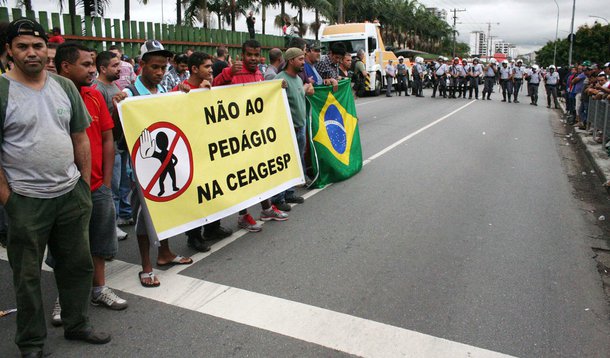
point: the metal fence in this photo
(599, 117)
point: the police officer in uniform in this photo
(402, 72)
(455, 71)
(533, 78)
(440, 77)
(476, 70)
(518, 74)
(490, 78)
(551, 80)
(418, 77)
(506, 81)
(466, 78)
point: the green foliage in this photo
(590, 43)
(405, 23)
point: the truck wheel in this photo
(378, 84)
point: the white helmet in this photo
(419, 60)
(519, 61)
(493, 61)
(535, 67)
(400, 58)
(505, 62)
(551, 67)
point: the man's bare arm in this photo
(82, 154)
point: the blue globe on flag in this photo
(333, 121)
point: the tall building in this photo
(478, 43)
(440, 13)
(500, 46)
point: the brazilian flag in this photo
(334, 138)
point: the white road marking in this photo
(334, 330)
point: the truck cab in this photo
(365, 36)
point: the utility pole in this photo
(489, 51)
(572, 32)
(455, 11)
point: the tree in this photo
(25, 3)
(590, 43)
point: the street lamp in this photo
(572, 33)
(556, 30)
(599, 17)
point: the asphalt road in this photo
(461, 237)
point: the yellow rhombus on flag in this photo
(336, 129)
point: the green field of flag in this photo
(334, 137)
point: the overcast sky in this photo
(528, 24)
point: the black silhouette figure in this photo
(163, 145)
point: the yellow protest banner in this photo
(204, 155)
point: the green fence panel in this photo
(149, 31)
(118, 29)
(172, 35)
(67, 25)
(16, 13)
(142, 31)
(164, 32)
(30, 15)
(4, 14)
(55, 20)
(43, 20)
(88, 31)
(134, 48)
(158, 33)
(78, 28)
(97, 26)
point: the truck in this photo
(365, 36)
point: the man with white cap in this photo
(403, 71)
(518, 74)
(534, 77)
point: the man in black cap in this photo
(44, 187)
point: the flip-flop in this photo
(150, 275)
(177, 261)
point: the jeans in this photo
(301, 134)
(121, 184)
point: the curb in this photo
(594, 151)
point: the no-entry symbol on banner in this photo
(163, 161)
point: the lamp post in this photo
(556, 30)
(572, 33)
(599, 17)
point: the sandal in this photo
(148, 276)
(177, 261)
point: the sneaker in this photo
(120, 234)
(124, 222)
(109, 299)
(56, 314)
(247, 222)
(273, 214)
(283, 206)
(294, 200)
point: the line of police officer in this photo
(454, 79)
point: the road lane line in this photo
(334, 330)
(399, 142)
(238, 234)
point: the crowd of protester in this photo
(72, 176)
(84, 181)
